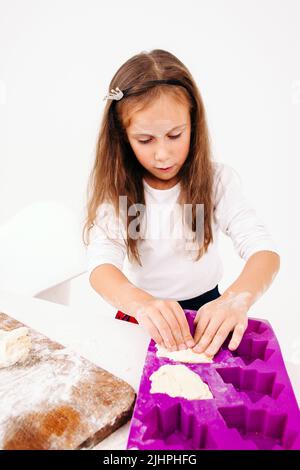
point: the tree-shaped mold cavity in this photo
(174, 426)
(256, 326)
(254, 383)
(266, 429)
(251, 349)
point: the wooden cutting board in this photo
(56, 399)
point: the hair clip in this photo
(114, 95)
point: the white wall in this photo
(56, 61)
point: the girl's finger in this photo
(201, 326)
(152, 330)
(187, 338)
(171, 317)
(219, 338)
(204, 310)
(196, 319)
(237, 336)
(164, 329)
(208, 335)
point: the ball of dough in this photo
(14, 346)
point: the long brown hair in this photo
(116, 171)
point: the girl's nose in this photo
(161, 155)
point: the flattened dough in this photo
(185, 355)
(14, 346)
(179, 381)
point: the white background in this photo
(56, 61)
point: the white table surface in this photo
(117, 346)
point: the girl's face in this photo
(160, 139)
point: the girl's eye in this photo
(171, 137)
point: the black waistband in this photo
(196, 302)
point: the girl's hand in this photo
(166, 323)
(216, 319)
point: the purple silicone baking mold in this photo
(254, 406)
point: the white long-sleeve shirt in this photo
(168, 270)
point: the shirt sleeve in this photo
(106, 242)
(236, 218)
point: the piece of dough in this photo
(14, 346)
(179, 381)
(185, 355)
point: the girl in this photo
(154, 169)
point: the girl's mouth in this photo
(166, 169)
